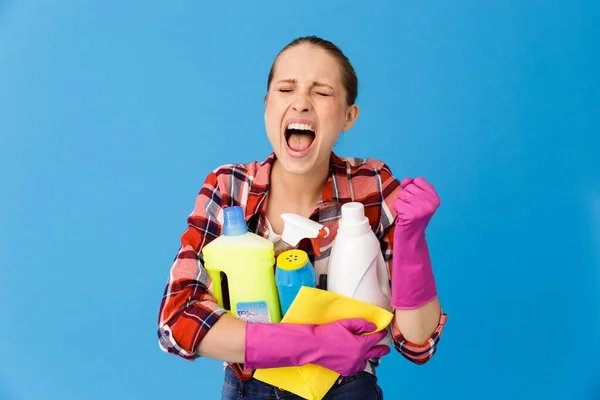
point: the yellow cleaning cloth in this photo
(315, 306)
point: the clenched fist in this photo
(416, 203)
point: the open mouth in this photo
(299, 137)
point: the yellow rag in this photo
(315, 306)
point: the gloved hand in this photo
(336, 345)
(413, 284)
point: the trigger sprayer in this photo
(297, 227)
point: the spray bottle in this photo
(294, 269)
(356, 267)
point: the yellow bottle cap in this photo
(290, 260)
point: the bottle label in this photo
(253, 311)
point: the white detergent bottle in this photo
(356, 265)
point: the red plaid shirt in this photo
(188, 310)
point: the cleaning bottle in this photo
(240, 264)
(294, 269)
(356, 265)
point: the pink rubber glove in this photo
(336, 345)
(413, 284)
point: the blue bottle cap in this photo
(234, 223)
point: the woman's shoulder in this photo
(252, 171)
(355, 164)
(250, 168)
(367, 175)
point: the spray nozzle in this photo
(296, 228)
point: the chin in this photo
(300, 166)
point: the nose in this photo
(301, 103)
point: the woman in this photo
(310, 100)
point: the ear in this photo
(351, 116)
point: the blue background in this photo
(112, 113)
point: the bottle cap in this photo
(291, 260)
(234, 223)
(353, 217)
(354, 213)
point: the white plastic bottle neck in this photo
(354, 221)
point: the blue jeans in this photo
(362, 386)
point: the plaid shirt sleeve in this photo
(419, 354)
(188, 309)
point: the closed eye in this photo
(285, 90)
(323, 94)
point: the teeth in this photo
(298, 126)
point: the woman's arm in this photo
(419, 324)
(225, 341)
(188, 310)
(418, 317)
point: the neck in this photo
(299, 190)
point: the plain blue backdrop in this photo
(112, 113)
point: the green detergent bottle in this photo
(241, 266)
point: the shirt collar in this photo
(258, 190)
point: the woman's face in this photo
(305, 108)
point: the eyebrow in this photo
(314, 83)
